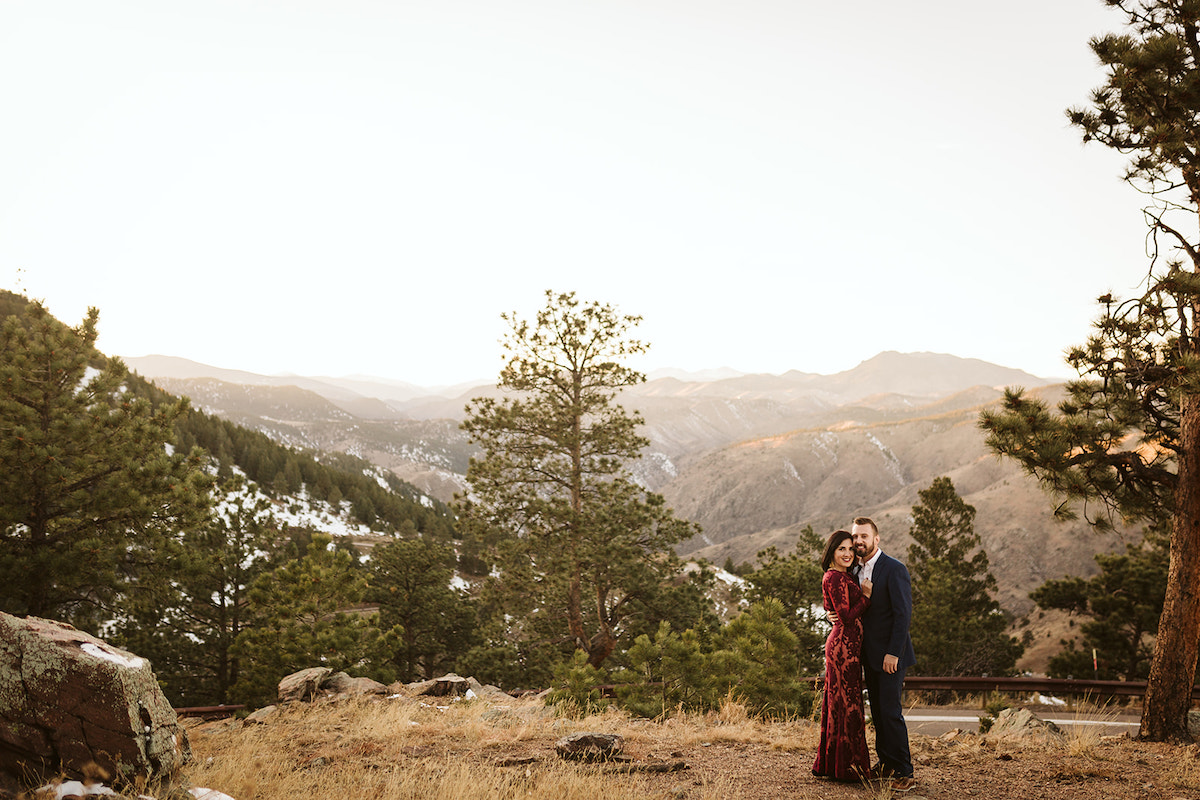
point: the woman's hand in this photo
(866, 587)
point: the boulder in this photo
(1021, 723)
(451, 685)
(309, 684)
(302, 685)
(69, 700)
(341, 684)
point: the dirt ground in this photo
(970, 766)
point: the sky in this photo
(363, 187)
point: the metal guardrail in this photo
(974, 685)
(209, 712)
(1072, 686)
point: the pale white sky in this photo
(341, 187)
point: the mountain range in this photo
(752, 457)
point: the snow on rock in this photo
(73, 789)
(130, 661)
(208, 794)
(70, 789)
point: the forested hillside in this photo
(171, 531)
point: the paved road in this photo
(936, 721)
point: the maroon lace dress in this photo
(843, 755)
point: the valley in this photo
(752, 458)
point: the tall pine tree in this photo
(957, 627)
(578, 544)
(1127, 439)
(89, 484)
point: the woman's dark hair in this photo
(835, 541)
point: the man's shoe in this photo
(903, 784)
(880, 772)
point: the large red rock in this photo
(68, 700)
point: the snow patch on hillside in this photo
(299, 510)
(893, 463)
(825, 445)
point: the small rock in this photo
(589, 746)
(1193, 724)
(261, 716)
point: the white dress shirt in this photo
(867, 569)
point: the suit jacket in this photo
(885, 622)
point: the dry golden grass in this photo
(1184, 772)
(1085, 739)
(431, 748)
(410, 748)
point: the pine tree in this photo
(578, 543)
(670, 671)
(795, 581)
(957, 627)
(303, 614)
(1127, 439)
(753, 660)
(89, 485)
(410, 579)
(1123, 604)
(756, 661)
(187, 629)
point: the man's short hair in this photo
(867, 521)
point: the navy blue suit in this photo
(885, 631)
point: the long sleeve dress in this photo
(843, 755)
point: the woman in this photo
(843, 755)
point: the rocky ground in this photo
(951, 768)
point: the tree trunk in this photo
(1173, 669)
(575, 610)
(604, 642)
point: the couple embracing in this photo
(868, 596)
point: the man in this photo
(887, 651)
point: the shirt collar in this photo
(870, 562)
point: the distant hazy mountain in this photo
(921, 375)
(696, 375)
(345, 388)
